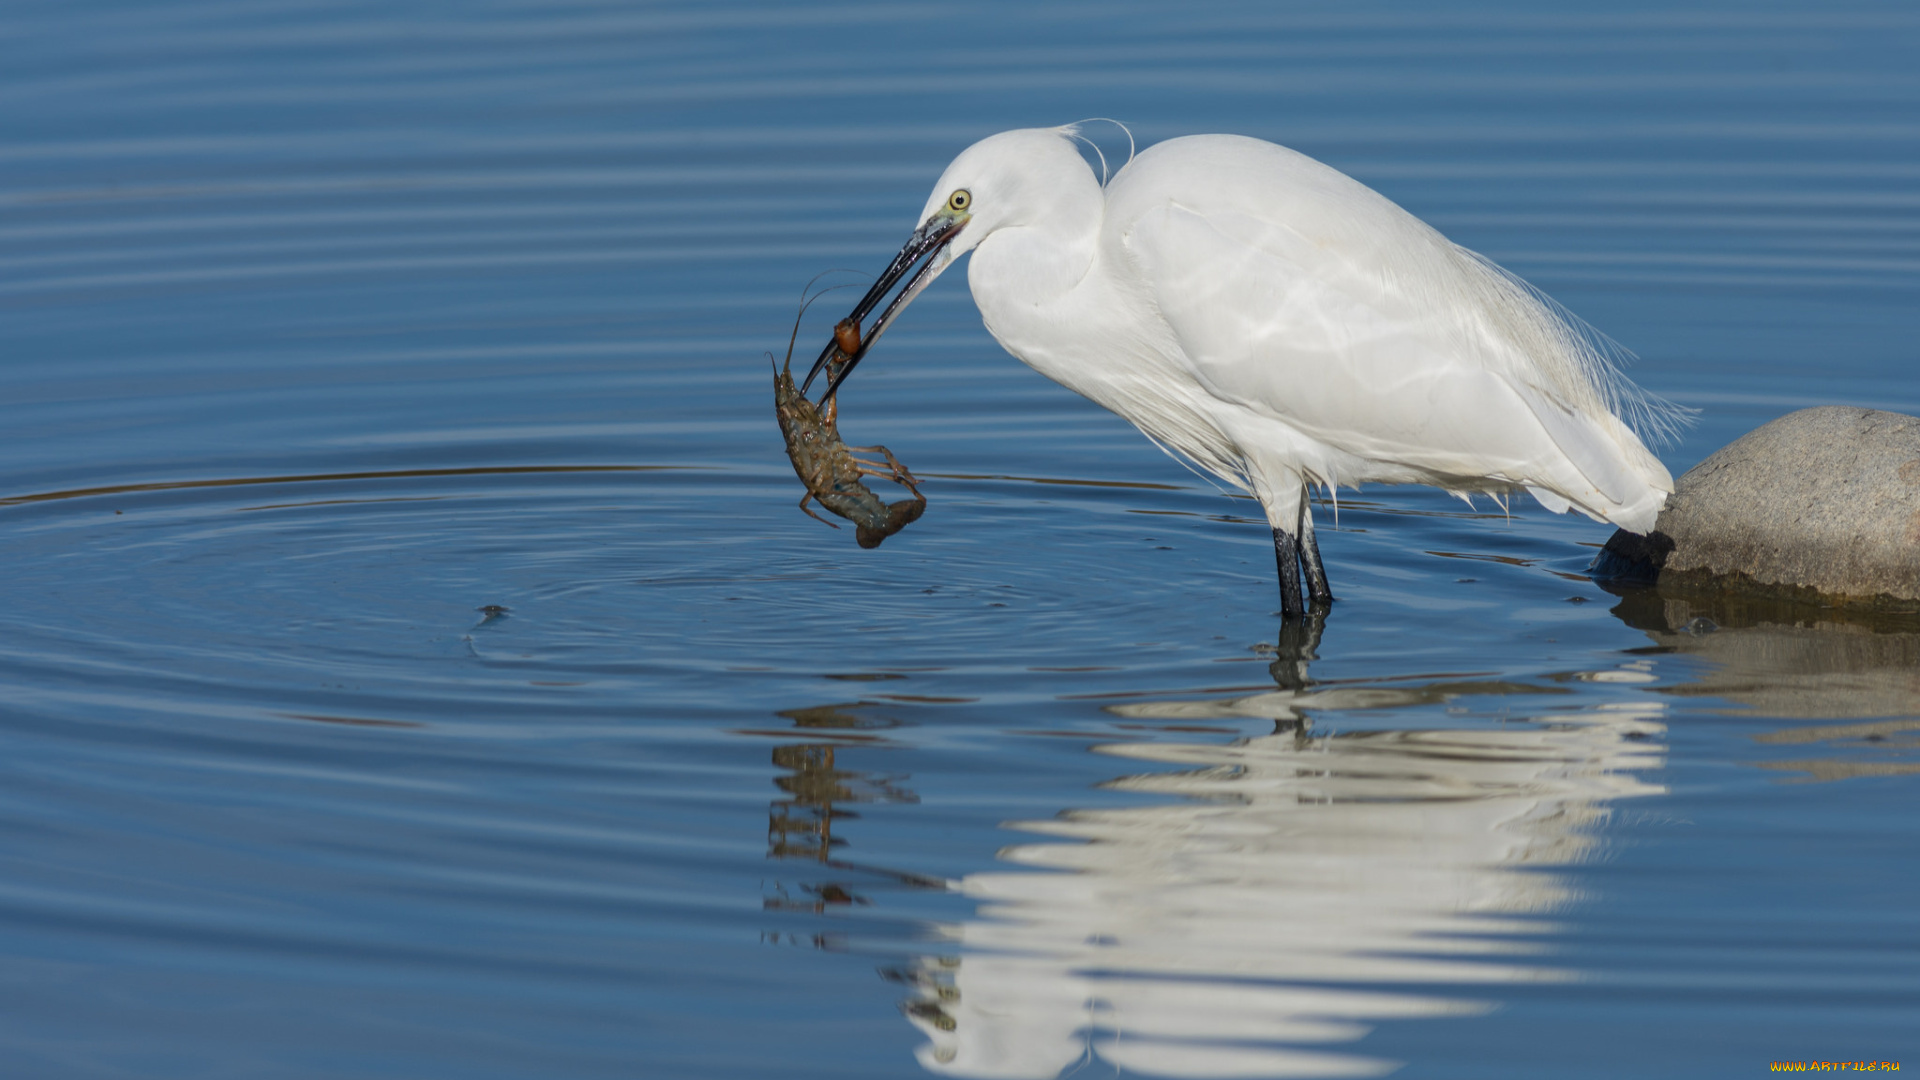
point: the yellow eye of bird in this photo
(959, 200)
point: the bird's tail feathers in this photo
(1581, 360)
(1613, 477)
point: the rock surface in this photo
(1825, 499)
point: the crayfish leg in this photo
(896, 472)
(807, 498)
(899, 476)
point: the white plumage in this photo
(1283, 325)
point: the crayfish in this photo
(826, 465)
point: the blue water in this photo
(416, 665)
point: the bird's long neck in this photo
(1047, 292)
(1023, 267)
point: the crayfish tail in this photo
(899, 516)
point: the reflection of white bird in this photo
(1281, 325)
(1301, 891)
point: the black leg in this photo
(1318, 593)
(1286, 557)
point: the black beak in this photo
(926, 243)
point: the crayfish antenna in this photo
(806, 302)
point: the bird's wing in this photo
(1362, 339)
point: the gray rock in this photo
(1825, 499)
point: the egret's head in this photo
(1007, 180)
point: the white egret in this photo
(1282, 326)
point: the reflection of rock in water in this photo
(1200, 938)
(1786, 659)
